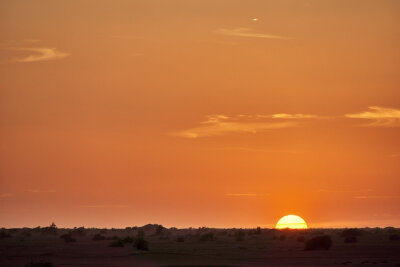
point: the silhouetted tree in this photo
(319, 243)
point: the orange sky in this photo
(226, 113)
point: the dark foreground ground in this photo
(153, 245)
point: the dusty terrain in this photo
(153, 245)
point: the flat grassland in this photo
(154, 245)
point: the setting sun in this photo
(291, 222)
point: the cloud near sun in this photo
(216, 125)
(380, 116)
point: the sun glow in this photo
(291, 222)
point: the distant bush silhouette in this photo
(141, 244)
(117, 243)
(128, 239)
(351, 232)
(50, 230)
(301, 239)
(80, 231)
(160, 230)
(318, 243)
(258, 231)
(350, 239)
(180, 239)
(40, 264)
(68, 238)
(103, 231)
(206, 237)
(4, 234)
(98, 237)
(394, 237)
(239, 235)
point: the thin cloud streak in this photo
(247, 32)
(40, 54)
(216, 125)
(104, 206)
(40, 191)
(377, 197)
(380, 116)
(242, 195)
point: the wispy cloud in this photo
(35, 191)
(380, 116)
(247, 32)
(40, 54)
(220, 124)
(105, 206)
(216, 125)
(250, 149)
(243, 195)
(377, 197)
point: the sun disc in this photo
(291, 222)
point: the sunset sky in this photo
(220, 113)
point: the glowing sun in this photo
(291, 222)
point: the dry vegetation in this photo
(155, 245)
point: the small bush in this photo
(301, 239)
(258, 231)
(319, 243)
(117, 243)
(160, 230)
(141, 244)
(40, 264)
(80, 231)
(206, 237)
(4, 234)
(350, 239)
(68, 238)
(351, 232)
(127, 239)
(50, 230)
(239, 235)
(98, 237)
(394, 237)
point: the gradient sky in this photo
(224, 113)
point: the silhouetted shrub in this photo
(351, 232)
(350, 239)
(141, 244)
(180, 239)
(160, 230)
(301, 239)
(68, 238)
(50, 230)
(141, 233)
(318, 243)
(40, 264)
(103, 231)
(117, 243)
(80, 231)
(98, 237)
(239, 235)
(127, 239)
(206, 237)
(4, 234)
(394, 237)
(258, 231)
